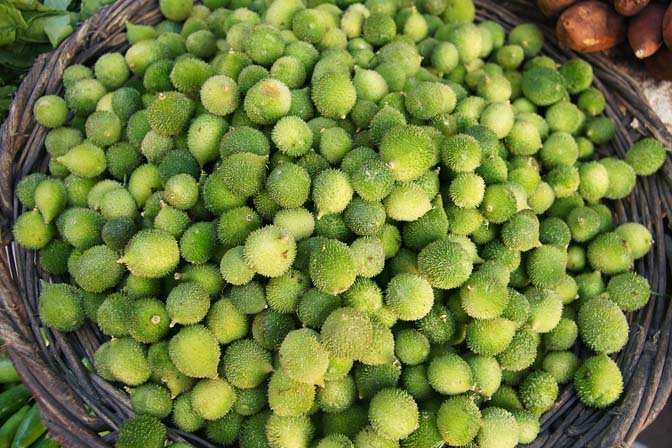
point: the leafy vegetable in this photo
(6, 97)
(11, 21)
(31, 27)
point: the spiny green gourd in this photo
(545, 309)
(163, 368)
(483, 296)
(407, 202)
(297, 221)
(445, 264)
(54, 257)
(117, 232)
(149, 320)
(409, 296)
(332, 192)
(450, 375)
(458, 420)
(60, 306)
(337, 395)
(315, 306)
(393, 414)
(226, 322)
(151, 253)
(372, 379)
(169, 114)
(610, 254)
(142, 430)
(563, 336)
(288, 185)
(84, 160)
(506, 396)
(487, 374)
(236, 224)
(380, 203)
(184, 416)
(127, 362)
(498, 429)
(521, 352)
(303, 358)
(287, 397)
(381, 350)
(151, 399)
(598, 381)
(224, 430)
(212, 399)
(629, 290)
(250, 401)
(267, 101)
(411, 347)
(97, 269)
(602, 325)
(289, 431)
(270, 251)
(187, 303)
(637, 237)
(438, 325)
(220, 95)
(246, 364)
(490, 337)
(646, 156)
(562, 365)
(269, 328)
(332, 267)
(113, 315)
(407, 165)
(196, 364)
(538, 392)
(347, 333)
(282, 293)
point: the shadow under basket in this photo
(77, 405)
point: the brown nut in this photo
(645, 31)
(667, 27)
(590, 26)
(630, 7)
(660, 64)
(552, 7)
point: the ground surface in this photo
(658, 434)
(659, 95)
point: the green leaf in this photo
(57, 28)
(13, 13)
(11, 20)
(39, 6)
(34, 33)
(26, 5)
(7, 91)
(37, 21)
(19, 57)
(6, 97)
(60, 5)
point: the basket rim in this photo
(65, 406)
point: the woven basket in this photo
(77, 405)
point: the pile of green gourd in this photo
(337, 225)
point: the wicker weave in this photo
(78, 405)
